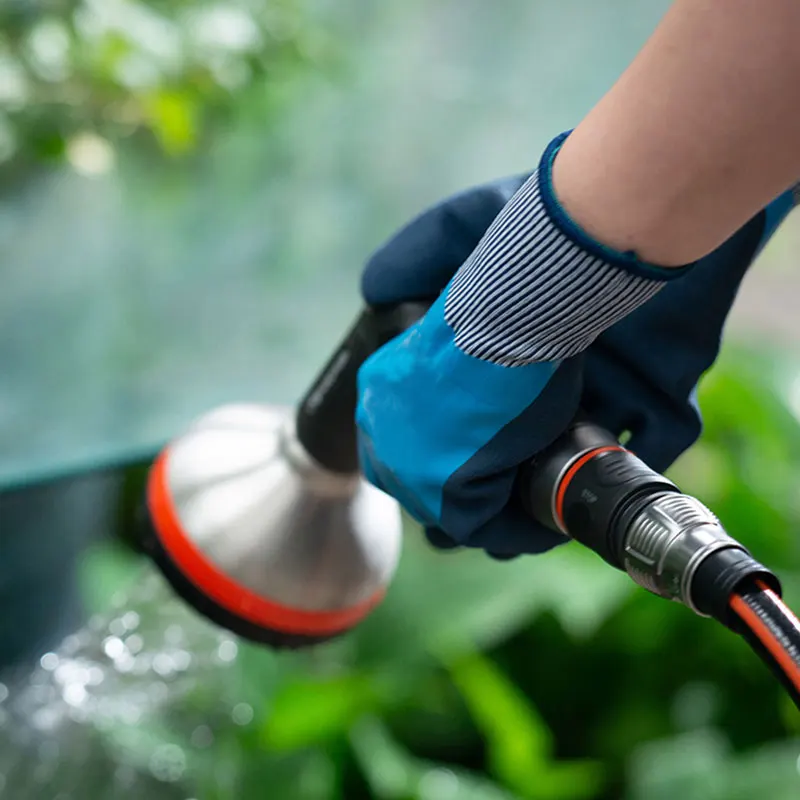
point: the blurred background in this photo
(188, 191)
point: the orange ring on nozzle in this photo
(227, 593)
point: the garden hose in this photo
(773, 632)
(593, 490)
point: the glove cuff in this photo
(539, 288)
(626, 260)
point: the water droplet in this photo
(79, 714)
(82, 675)
(131, 715)
(72, 644)
(125, 663)
(168, 763)
(227, 650)
(158, 692)
(95, 622)
(142, 664)
(438, 784)
(3, 693)
(182, 660)
(47, 718)
(67, 672)
(163, 664)
(95, 676)
(242, 714)
(74, 694)
(114, 647)
(134, 643)
(131, 620)
(202, 736)
(49, 661)
(173, 634)
(39, 678)
(124, 776)
(117, 627)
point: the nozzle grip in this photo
(325, 420)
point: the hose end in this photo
(722, 575)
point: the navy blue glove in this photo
(450, 409)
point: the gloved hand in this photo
(449, 410)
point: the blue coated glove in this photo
(530, 319)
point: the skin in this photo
(700, 132)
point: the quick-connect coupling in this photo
(593, 490)
(665, 541)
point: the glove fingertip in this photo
(503, 556)
(512, 533)
(438, 539)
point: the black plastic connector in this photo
(600, 493)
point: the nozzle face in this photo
(263, 531)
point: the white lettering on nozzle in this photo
(328, 379)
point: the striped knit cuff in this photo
(539, 288)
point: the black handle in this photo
(326, 416)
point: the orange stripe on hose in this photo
(765, 635)
(571, 473)
(227, 593)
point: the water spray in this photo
(259, 518)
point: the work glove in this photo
(530, 320)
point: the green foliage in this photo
(76, 75)
(551, 678)
(519, 743)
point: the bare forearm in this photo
(699, 134)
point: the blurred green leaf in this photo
(307, 774)
(173, 117)
(306, 712)
(745, 466)
(443, 603)
(113, 69)
(518, 737)
(520, 743)
(105, 570)
(393, 774)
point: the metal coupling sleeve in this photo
(667, 541)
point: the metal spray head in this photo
(259, 516)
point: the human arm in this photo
(698, 134)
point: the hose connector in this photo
(595, 491)
(665, 542)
